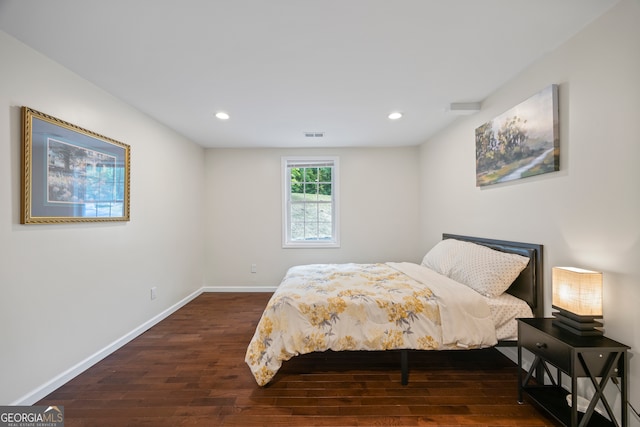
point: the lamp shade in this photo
(577, 291)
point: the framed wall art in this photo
(522, 142)
(70, 174)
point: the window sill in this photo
(310, 245)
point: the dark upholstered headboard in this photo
(528, 286)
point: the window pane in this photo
(310, 174)
(324, 230)
(297, 188)
(296, 175)
(324, 189)
(297, 231)
(325, 175)
(297, 212)
(311, 212)
(324, 212)
(311, 231)
(311, 192)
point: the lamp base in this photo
(579, 325)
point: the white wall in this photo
(68, 291)
(61, 305)
(588, 213)
(378, 212)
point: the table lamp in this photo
(577, 294)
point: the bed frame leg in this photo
(404, 367)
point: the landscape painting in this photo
(521, 142)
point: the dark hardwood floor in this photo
(189, 370)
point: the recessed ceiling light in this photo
(222, 115)
(395, 115)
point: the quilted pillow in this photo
(487, 271)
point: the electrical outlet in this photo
(254, 268)
(154, 292)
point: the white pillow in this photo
(442, 256)
(487, 271)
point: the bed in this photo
(466, 294)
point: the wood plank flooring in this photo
(189, 370)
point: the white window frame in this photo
(301, 161)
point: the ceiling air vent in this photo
(314, 134)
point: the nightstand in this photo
(596, 357)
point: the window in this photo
(310, 202)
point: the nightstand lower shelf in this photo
(553, 400)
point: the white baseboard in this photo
(47, 388)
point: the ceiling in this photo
(281, 68)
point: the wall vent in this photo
(314, 134)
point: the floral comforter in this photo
(366, 307)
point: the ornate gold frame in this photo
(70, 174)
